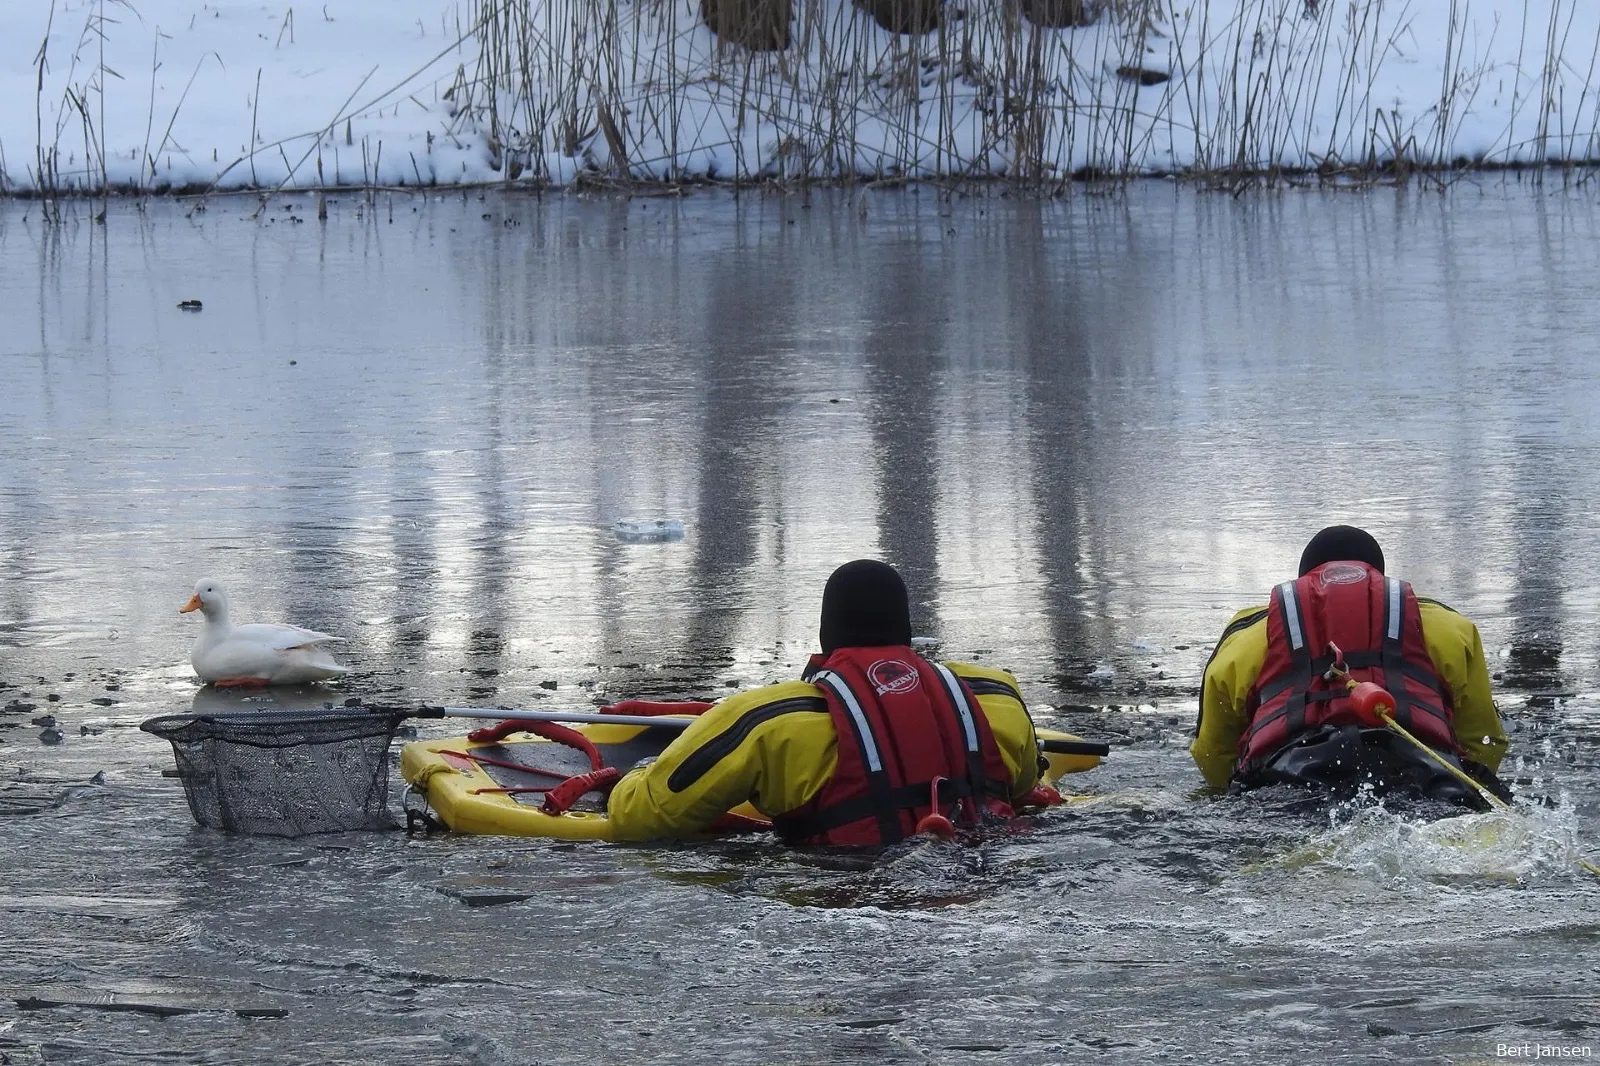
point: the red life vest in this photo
(902, 721)
(1377, 625)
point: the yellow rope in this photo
(1459, 774)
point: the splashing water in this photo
(1518, 844)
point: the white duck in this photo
(263, 653)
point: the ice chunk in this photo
(650, 531)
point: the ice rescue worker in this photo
(1272, 702)
(874, 739)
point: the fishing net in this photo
(284, 773)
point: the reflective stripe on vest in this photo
(958, 698)
(968, 727)
(1393, 655)
(1295, 709)
(869, 742)
(884, 809)
(1291, 615)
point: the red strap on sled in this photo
(549, 730)
(560, 799)
(507, 764)
(652, 708)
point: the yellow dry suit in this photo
(776, 748)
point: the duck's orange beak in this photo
(192, 605)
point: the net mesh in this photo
(283, 773)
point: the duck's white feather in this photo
(265, 652)
(278, 635)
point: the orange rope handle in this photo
(555, 731)
(559, 800)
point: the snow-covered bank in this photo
(221, 94)
(182, 90)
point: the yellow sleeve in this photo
(773, 747)
(1001, 698)
(1456, 649)
(1224, 691)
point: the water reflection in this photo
(739, 421)
(907, 400)
(1085, 430)
(1540, 534)
(1052, 318)
(209, 700)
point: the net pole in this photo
(557, 716)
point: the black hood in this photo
(864, 605)
(1341, 544)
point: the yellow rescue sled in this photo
(497, 787)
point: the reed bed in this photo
(642, 90)
(1036, 92)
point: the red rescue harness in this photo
(913, 739)
(1377, 625)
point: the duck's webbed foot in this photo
(240, 682)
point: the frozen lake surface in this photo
(1086, 431)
